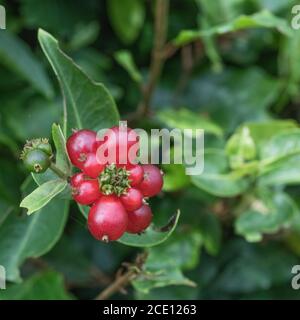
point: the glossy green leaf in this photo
(17, 56)
(153, 236)
(42, 195)
(281, 145)
(127, 18)
(42, 286)
(125, 59)
(22, 237)
(86, 104)
(281, 171)
(280, 157)
(216, 178)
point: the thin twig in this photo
(124, 278)
(157, 57)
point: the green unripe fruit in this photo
(41, 144)
(36, 160)
(45, 147)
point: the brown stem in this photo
(157, 56)
(124, 278)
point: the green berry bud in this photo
(36, 160)
(41, 144)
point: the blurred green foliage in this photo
(232, 68)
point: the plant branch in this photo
(157, 56)
(124, 277)
(58, 172)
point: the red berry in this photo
(76, 179)
(139, 220)
(132, 200)
(86, 191)
(79, 144)
(152, 182)
(107, 220)
(120, 146)
(91, 167)
(136, 174)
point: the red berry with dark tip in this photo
(122, 143)
(132, 200)
(136, 174)
(107, 220)
(79, 144)
(86, 191)
(152, 182)
(91, 167)
(139, 220)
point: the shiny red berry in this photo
(76, 179)
(91, 167)
(79, 144)
(120, 146)
(152, 182)
(139, 220)
(136, 174)
(132, 200)
(107, 220)
(85, 191)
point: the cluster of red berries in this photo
(116, 192)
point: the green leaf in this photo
(233, 96)
(152, 236)
(47, 285)
(86, 104)
(125, 59)
(289, 68)
(281, 145)
(283, 171)
(262, 132)
(164, 263)
(245, 268)
(211, 232)
(280, 158)
(42, 195)
(71, 259)
(266, 215)
(16, 55)
(22, 237)
(84, 35)
(216, 178)
(61, 155)
(127, 18)
(262, 19)
(84, 210)
(175, 177)
(187, 119)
